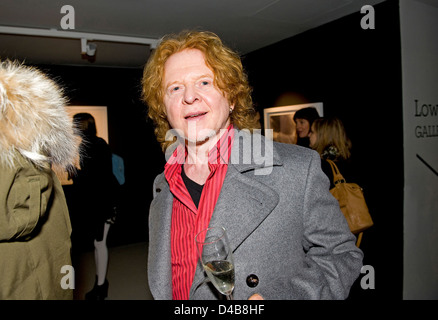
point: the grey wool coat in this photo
(284, 226)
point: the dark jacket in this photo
(95, 186)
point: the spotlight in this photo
(91, 49)
(88, 48)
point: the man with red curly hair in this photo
(288, 235)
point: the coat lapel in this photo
(244, 201)
(243, 204)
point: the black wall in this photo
(356, 73)
(130, 136)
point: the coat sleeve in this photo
(25, 195)
(332, 261)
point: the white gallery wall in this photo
(419, 48)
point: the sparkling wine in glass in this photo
(217, 259)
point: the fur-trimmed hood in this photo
(33, 119)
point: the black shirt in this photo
(194, 189)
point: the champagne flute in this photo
(217, 259)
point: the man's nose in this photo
(191, 95)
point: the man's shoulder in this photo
(160, 178)
(281, 152)
(292, 152)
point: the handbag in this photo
(351, 201)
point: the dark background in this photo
(356, 73)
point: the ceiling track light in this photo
(88, 48)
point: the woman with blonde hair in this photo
(329, 138)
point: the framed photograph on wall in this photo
(281, 120)
(99, 114)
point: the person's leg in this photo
(101, 256)
(100, 289)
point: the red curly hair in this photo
(229, 78)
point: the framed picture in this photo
(281, 120)
(99, 114)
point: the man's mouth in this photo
(194, 115)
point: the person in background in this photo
(36, 138)
(303, 120)
(95, 194)
(329, 138)
(289, 237)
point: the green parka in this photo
(34, 234)
(36, 135)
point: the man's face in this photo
(193, 103)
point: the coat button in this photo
(252, 281)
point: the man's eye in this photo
(174, 89)
(204, 83)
